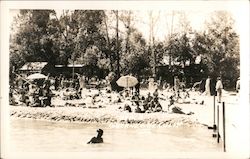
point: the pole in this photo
(224, 127)
(214, 126)
(26, 81)
(170, 55)
(73, 74)
(218, 133)
(151, 41)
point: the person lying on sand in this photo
(98, 138)
(178, 110)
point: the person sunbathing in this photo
(178, 110)
(98, 138)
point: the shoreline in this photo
(102, 116)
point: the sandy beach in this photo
(111, 113)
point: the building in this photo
(34, 67)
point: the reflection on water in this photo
(32, 135)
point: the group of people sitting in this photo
(32, 95)
(40, 96)
(144, 105)
(71, 93)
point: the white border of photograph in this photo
(241, 10)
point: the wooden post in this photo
(224, 126)
(218, 120)
(73, 73)
(214, 126)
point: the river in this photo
(44, 136)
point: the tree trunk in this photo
(117, 45)
(108, 43)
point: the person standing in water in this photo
(219, 88)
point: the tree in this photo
(219, 47)
(137, 60)
(177, 40)
(33, 38)
(109, 49)
(117, 43)
(127, 19)
(82, 29)
(152, 23)
(32, 41)
(181, 49)
(91, 56)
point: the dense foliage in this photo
(89, 37)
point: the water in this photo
(43, 136)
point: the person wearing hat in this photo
(219, 88)
(98, 138)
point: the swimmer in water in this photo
(97, 139)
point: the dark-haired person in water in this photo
(98, 138)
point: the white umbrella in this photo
(127, 81)
(36, 76)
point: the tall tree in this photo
(181, 49)
(220, 46)
(109, 51)
(127, 18)
(87, 25)
(152, 25)
(137, 61)
(32, 40)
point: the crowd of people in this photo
(36, 94)
(39, 92)
(142, 104)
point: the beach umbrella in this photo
(36, 76)
(127, 81)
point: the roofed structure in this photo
(33, 66)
